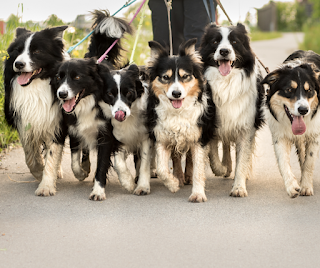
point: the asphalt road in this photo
(265, 229)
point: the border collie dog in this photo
(30, 103)
(181, 114)
(233, 76)
(79, 88)
(125, 102)
(292, 114)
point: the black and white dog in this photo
(293, 117)
(233, 75)
(30, 104)
(125, 102)
(79, 87)
(181, 114)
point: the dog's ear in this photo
(188, 48)
(269, 80)
(56, 32)
(134, 68)
(157, 50)
(242, 27)
(21, 31)
(316, 71)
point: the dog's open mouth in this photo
(70, 105)
(25, 79)
(176, 103)
(225, 66)
(297, 124)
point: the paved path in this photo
(266, 229)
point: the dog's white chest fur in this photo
(88, 125)
(235, 97)
(38, 117)
(178, 128)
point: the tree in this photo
(53, 20)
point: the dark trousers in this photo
(188, 20)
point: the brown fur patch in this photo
(192, 87)
(277, 102)
(182, 72)
(159, 88)
(294, 84)
(168, 73)
(313, 102)
(306, 86)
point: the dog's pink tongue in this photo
(298, 126)
(24, 78)
(225, 68)
(69, 104)
(119, 116)
(176, 103)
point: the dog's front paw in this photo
(197, 198)
(238, 191)
(127, 182)
(293, 189)
(306, 191)
(98, 195)
(45, 190)
(81, 174)
(172, 185)
(142, 190)
(188, 179)
(221, 171)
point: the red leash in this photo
(107, 51)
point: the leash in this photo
(138, 31)
(169, 7)
(211, 16)
(128, 3)
(107, 51)
(225, 13)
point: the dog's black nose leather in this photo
(63, 94)
(19, 64)
(176, 94)
(303, 110)
(224, 52)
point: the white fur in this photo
(88, 126)
(25, 57)
(65, 88)
(225, 44)
(98, 193)
(302, 102)
(111, 27)
(176, 86)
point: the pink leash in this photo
(107, 51)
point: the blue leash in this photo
(128, 3)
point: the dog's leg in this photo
(86, 165)
(282, 148)
(163, 156)
(198, 156)
(226, 159)
(143, 187)
(177, 168)
(244, 150)
(312, 149)
(217, 168)
(124, 175)
(153, 165)
(34, 160)
(137, 164)
(103, 165)
(301, 151)
(75, 148)
(189, 168)
(47, 185)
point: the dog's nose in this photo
(176, 94)
(224, 52)
(63, 94)
(19, 65)
(303, 110)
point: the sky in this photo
(39, 10)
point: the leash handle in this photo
(107, 51)
(128, 3)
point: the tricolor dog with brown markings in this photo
(293, 117)
(181, 114)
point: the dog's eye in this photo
(215, 42)
(36, 52)
(234, 42)
(77, 77)
(58, 78)
(165, 77)
(185, 76)
(110, 94)
(289, 90)
(129, 94)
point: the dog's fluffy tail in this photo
(107, 30)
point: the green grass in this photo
(311, 38)
(256, 35)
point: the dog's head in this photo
(227, 48)
(75, 80)
(176, 77)
(293, 93)
(121, 89)
(33, 54)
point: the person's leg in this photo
(195, 20)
